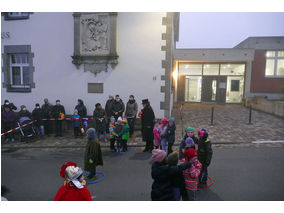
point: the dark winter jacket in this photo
(24, 113)
(131, 109)
(9, 119)
(162, 188)
(182, 145)
(37, 115)
(204, 151)
(148, 116)
(99, 125)
(108, 107)
(170, 134)
(93, 151)
(118, 106)
(82, 110)
(57, 109)
(46, 110)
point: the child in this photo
(112, 133)
(170, 134)
(77, 121)
(124, 135)
(204, 155)
(178, 179)
(164, 127)
(162, 188)
(189, 132)
(156, 132)
(191, 174)
(118, 128)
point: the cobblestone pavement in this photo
(230, 123)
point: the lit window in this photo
(274, 64)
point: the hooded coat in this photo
(93, 151)
(82, 110)
(162, 187)
(205, 151)
(131, 109)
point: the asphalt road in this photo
(239, 174)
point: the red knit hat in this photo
(190, 153)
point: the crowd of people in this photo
(176, 174)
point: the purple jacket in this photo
(8, 118)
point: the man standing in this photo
(108, 109)
(130, 113)
(58, 112)
(117, 107)
(147, 120)
(46, 113)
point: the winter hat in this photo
(37, 105)
(189, 142)
(112, 118)
(91, 131)
(164, 121)
(119, 119)
(172, 119)
(124, 121)
(173, 158)
(189, 129)
(158, 155)
(145, 101)
(71, 173)
(203, 133)
(75, 111)
(190, 153)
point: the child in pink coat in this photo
(164, 127)
(191, 174)
(156, 131)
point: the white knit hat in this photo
(72, 173)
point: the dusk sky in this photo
(226, 30)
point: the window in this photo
(190, 69)
(274, 64)
(232, 69)
(211, 69)
(16, 15)
(18, 68)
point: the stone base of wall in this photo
(269, 106)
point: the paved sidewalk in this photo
(230, 123)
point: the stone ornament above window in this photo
(95, 41)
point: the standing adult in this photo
(58, 112)
(130, 113)
(82, 112)
(99, 116)
(147, 119)
(117, 107)
(46, 113)
(9, 122)
(37, 115)
(108, 109)
(11, 105)
(93, 153)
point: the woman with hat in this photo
(74, 188)
(147, 120)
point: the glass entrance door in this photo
(192, 88)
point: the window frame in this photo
(9, 51)
(275, 58)
(20, 16)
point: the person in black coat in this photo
(24, 113)
(11, 106)
(82, 112)
(147, 120)
(108, 110)
(117, 107)
(170, 134)
(189, 132)
(47, 113)
(204, 155)
(37, 115)
(58, 112)
(162, 174)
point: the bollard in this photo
(250, 111)
(212, 116)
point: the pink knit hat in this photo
(158, 155)
(165, 121)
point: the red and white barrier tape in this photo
(44, 119)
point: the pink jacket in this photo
(157, 138)
(163, 130)
(191, 175)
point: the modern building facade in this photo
(255, 67)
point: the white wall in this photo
(51, 37)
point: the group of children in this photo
(181, 174)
